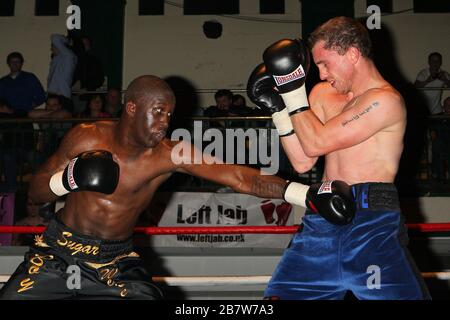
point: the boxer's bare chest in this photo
(139, 169)
(140, 173)
(362, 161)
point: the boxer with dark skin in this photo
(138, 144)
(94, 229)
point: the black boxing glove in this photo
(333, 200)
(288, 62)
(261, 91)
(89, 171)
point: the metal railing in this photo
(26, 143)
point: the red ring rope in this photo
(424, 228)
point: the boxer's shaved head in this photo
(149, 104)
(146, 87)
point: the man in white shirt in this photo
(433, 77)
(62, 68)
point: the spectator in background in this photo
(7, 152)
(62, 68)
(5, 109)
(446, 106)
(89, 69)
(50, 134)
(95, 107)
(53, 109)
(21, 90)
(113, 102)
(440, 145)
(32, 219)
(433, 77)
(239, 106)
(224, 101)
(239, 101)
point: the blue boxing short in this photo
(368, 256)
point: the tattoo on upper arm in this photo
(362, 113)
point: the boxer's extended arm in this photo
(77, 140)
(332, 200)
(187, 159)
(371, 112)
(241, 179)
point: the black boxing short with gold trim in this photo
(63, 264)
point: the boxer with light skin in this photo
(110, 172)
(357, 120)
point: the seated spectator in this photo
(239, 106)
(433, 77)
(50, 134)
(224, 101)
(239, 101)
(95, 108)
(21, 90)
(32, 219)
(53, 109)
(113, 102)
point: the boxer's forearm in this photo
(297, 157)
(251, 181)
(241, 179)
(268, 187)
(308, 130)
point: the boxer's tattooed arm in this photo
(268, 186)
(361, 114)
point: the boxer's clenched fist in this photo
(333, 200)
(288, 62)
(89, 171)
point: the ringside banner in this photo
(187, 209)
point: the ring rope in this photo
(419, 227)
(236, 280)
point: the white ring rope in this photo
(237, 280)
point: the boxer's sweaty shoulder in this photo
(85, 137)
(81, 138)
